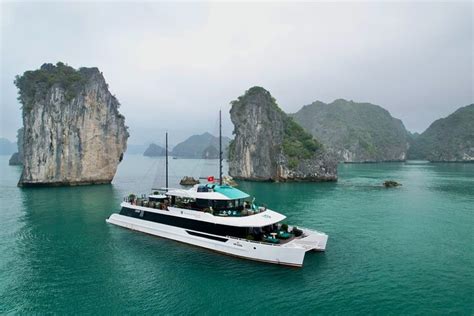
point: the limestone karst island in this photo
(236, 158)
(73, 132)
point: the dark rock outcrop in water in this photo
(355, 132)
(449, 139)
(154, 151)
(269, 145)
(391, 184)
(73, 131)
(188, 181)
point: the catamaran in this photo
(219, 217)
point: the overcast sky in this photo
(173, 66)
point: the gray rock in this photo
(188, 181)
(391, 184)
(269, 145)
(73, 131)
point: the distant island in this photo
(133, 149)
(154, 150)
(270, 145)
(449, 139)
(73, 131)
(201, 146)
(7, 147)
(355, 132)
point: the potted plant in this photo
(297, 232)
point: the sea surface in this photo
(407, 250)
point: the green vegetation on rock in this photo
(447, 139)
(297, 143)
(355, 132)
(35, 84)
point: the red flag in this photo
(210, 179)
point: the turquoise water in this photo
(406, 250)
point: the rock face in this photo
(449, 139)
(269, 145)
(73, 131)
(194, 146)
(154, 151)
(356, 132)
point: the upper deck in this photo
(210, 192)
(220, 204)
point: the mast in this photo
(167, 161)
(220, 147)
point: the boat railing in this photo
(253, 241)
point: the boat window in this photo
(203, 203)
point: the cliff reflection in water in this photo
(63, 240)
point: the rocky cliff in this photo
(355, 132)
(269, 145)
(449, 139)
(73, 131)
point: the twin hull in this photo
(291, 254)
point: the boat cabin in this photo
(219, 200)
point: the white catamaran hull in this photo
(291, 253)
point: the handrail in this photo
(253, 241)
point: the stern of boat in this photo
(311, 240)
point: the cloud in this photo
(173, 65)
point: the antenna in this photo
(220, 147)
(166, 161)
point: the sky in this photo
(173, 66)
